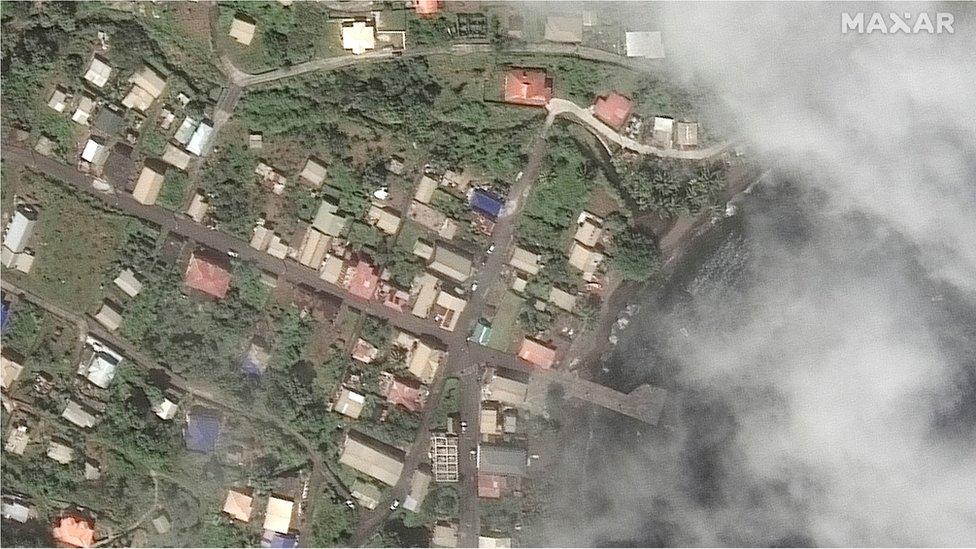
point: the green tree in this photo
(331, 524)
(634, 256)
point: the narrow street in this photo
(197, 232)
(557, 107)
(465, 360)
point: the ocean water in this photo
(618, 482)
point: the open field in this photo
(75, 244)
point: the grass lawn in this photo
(74, 243)
(503, 326)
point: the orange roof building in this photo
(363, 280)
(207, 276)
(407, 393)
(537, 354)
(238, 505)
(427, 8)
(613, 110)
(490, 486)
(528, 87)
(75, 532)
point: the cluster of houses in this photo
(384, 464)
(279, 518)
(359, 34)
(438, 292)
(585, 255)
(501, 457)
(113, 127)
(98, 367)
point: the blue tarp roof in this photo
(202, 431)
(284, 541)
(4, 315)
(487, 203)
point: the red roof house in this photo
(74, 532)
(613, 110)
(363, 280)
(407, 393)
(426, 8)
(207, 275)
(528, 87)
(490, 486)
(537, 354)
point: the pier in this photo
(645, 403)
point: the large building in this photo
(372, 458)
(451, 264)
(147, 85)
(509, 461)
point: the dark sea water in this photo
(603, 487)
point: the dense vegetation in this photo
(45, 42)
(670, 187)
(404, 98)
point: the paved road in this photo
(461, 363)
(201, 234)
(245, 79)
(557, 107)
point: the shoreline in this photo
(675, 238)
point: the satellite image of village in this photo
(443, 273)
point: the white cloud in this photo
(815, 387)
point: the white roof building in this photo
(278, 516)
(98, 72)
(100, 368)
(60, 453)
(645, 44)
(166, 409)
(94, 152)
(15, 511)
(200, 139)
(21, 228)
(358, 37)
(83, 112)
(58, 100)
(242, 30)
(185, 131)
(128, 283)
(77, 415)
